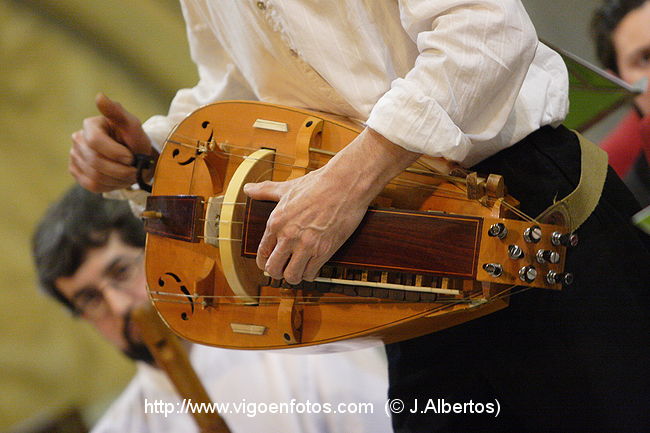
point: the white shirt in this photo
(249, 382)
(452, 78)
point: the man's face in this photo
(105, 288)
(632, 43)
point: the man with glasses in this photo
(89, 255)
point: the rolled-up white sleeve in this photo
(219, 78)
(473, 58)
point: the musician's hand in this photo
(316, 213)
(101, 155)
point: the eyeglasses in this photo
(120, 274)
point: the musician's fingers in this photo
(109, 159)
(267, 190)
(126, 127)
(112, 110)
(95, 136)
(93, 180)
(278, 259)
(313, 267)
(106, 172)
(265, 249)
(96, 173)
(269, 258)
(83, 180)
(295, 270)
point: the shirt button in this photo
(261, 5)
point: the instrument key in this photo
(498, 230)
(547, 256)
(494, 269)
(528, 274)
(515, 252)
(533, 234)
(565, 278)
(564, 239)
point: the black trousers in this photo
(576, 360)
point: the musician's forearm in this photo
(367, 164)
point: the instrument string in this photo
(407, 183)
(220, 220)
(338, 299)
(350, 300)
(193, 171)
(215, 238)
(402, 182)
(341, 297)
(275, 300)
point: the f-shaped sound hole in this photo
(182, 288)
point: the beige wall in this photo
(55, 56)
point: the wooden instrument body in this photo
(173, 359)
(187, 278)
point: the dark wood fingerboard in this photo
(180, 217)
(393, 240)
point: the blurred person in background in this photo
(621, 32)
(89, 253)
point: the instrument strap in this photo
(576, 207)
